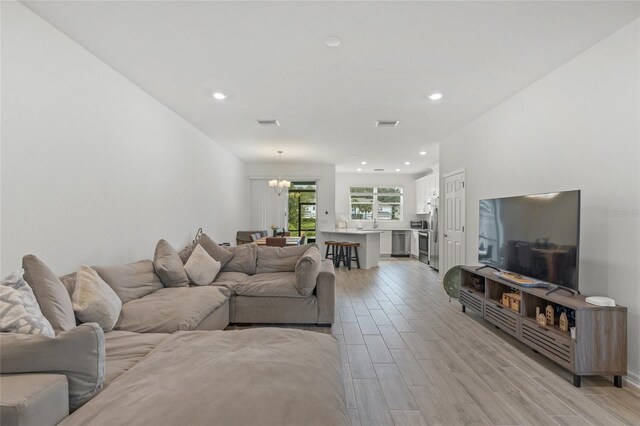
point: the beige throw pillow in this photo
(202, 268)
(94, 301)
(169, 266)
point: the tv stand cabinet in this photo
(600, 344)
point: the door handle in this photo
(445, 235)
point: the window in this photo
(302, 210)
(381, 203)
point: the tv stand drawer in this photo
(503, 317)
(548, 342)
(471, 300)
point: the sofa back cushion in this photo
(169, 266)
(51, 294)
(19, 310)
(131, 281)
(243, 260)
(307, 270)
(279, 259)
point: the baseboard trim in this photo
(633, 379)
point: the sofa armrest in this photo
(326, 293)
(33, 399)
(78, 353)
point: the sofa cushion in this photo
(33, 399)
(279, 259)
(78, 354)
(125, 349)
(94, 301)
(171, 309)
(264, 376)
(307, 270)
(278, 284)
(19, 310)
(236, 277)
(169, 266)
(50, 293)
(201, 267)
(131, 281)
(219, 253)
(243, 260)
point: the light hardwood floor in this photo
(411, 357)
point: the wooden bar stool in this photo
(353, 255)
(331, 252)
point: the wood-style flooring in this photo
(411, 357)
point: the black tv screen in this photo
(534, 235)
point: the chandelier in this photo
(280, 185)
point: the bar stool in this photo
(352, 254)
(331, 252)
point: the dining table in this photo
(291, 241)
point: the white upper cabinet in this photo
(427, 188)
(421, 195)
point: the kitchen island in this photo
(369, 239)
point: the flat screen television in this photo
(535, 235)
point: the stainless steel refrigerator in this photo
(434, 250)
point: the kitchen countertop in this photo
(354, 231)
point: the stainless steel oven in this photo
(423, 247)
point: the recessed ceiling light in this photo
(406, 163)
(219, 96)
(423, 152)
(359, 170)
(397, 170)
(268, 123)
(363, 162)
(332, 41)
(387, 123)
(435, 96)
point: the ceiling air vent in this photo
(387, 123)
(268, 123)
(378, 170)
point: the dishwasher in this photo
(400, 243)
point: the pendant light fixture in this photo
(280, 185)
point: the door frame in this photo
(442, 204)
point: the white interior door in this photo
(454, 221)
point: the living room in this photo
(126, 123)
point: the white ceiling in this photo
(271, 61)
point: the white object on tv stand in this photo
(600, 301)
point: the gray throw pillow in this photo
(50, 293)
(307, 270)
(219, 253)
(169, 266)
(19, 310)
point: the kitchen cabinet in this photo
(415, 244)
(385, 243)
(421, 195)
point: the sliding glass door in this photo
(302, 210)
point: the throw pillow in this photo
(19, 310)
(94, 301)
(219, 253)
(50, 293)
(201, 267)
(307, 270)
(169, 266)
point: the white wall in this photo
(323, 174)
(576, 128)
(94, 170)
(346, 180)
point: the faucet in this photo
(375, 223)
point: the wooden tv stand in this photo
(600, 346)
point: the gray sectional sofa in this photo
(157, 366)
